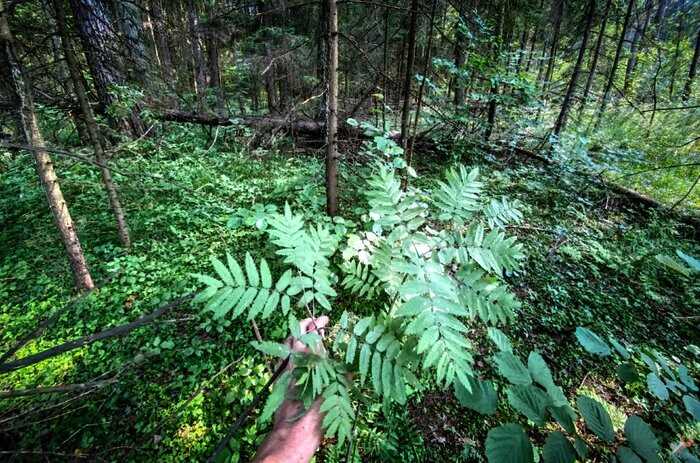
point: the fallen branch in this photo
(84, 341)
(56, 389)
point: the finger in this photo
(317, 325)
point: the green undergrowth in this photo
(182, 381)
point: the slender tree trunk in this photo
(332, 111)
(674, 60)
(408, 79)
(44, 166)
(531, 53)
(212, 41)
(426, 73)
(160, 34)
(639, 32)
(615, 63)
(131, 25)
(460, 39)
(557, 13)
(92, 128)
(693, 70)
(199, 80)
(561, 119)
(596, 54)
(521, 49)
(385, 100)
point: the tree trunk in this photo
(199, 79)
(131, 25)
(676, 55)
(92, 128)
(596, 54)
(44, 166)
(557, 13)
(561, 120)
(634, 48)
(160, 34)
(408, 79)
(615, 63)
(332, 111)
(693, 69)
(460, 38)
(97, 35)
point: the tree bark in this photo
(459, 60)
(98, 37)
(92, 128)
(332, 111)
(639, 32)
(676, 55)
(408, 79)
(561, 119)
(615, 63)
(160, 34)
(131, 25)
(44, 166)
(212, 42)
(693, 70)
(596, 54)
(557, 14)
(199, 78)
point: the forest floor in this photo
(181, 381)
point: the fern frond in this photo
(337, 406)
(360, 280)
(492, 251)
(241, 291)
(485, 298)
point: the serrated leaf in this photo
(251, 270)
(581, 448)
(245, 301)
(508, 444)
(596, 418)
(265, 275)
(622, 350)
(626, 455)
(365, 354)
(272, 348)
(277, 395)
(692, 405)
(481, 398)
(207, 280)
(686, 379)
(558, 449)
(235, 270)
(627, 372)
(539, 370)
(222, 271)
(642, 439)
(510, 367)
(284, 281)
(657, 387)
(530, 401)
(565, 417)
(592, 342)
(500, 339)
(350, 352)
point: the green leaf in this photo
(596, 418)
(482, 398)
(581, 448)
(207, 280)
(627, 372)
(265, 276)
(692, 262)
(272, 348)
(558, 449)
(692, 405)
(365, 354)
(565, 417)
(620, 348)
(251, 270)
(626, 455)
(540, 371)
(500, 339)
(508, 444)
(362, 325)
(277, 395)
(642, 439)
(284, 281)
(223, 272)
(530, 401)
(377, 372)
(245, 301)
(656, 386)
(512, 368)
(235, 269)
(686, 378)
(593, 343)
(350, 352)
(673, 264)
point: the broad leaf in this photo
(565, 416)
(592, 342)
(558, 449)
(596, 418)
(656, 386)
(642, 439)
(508, 444)
(500, 339)
(482, 397)
(627, 455)
(530, 400)
(512, 368)
(692, 404)
(272, 348)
